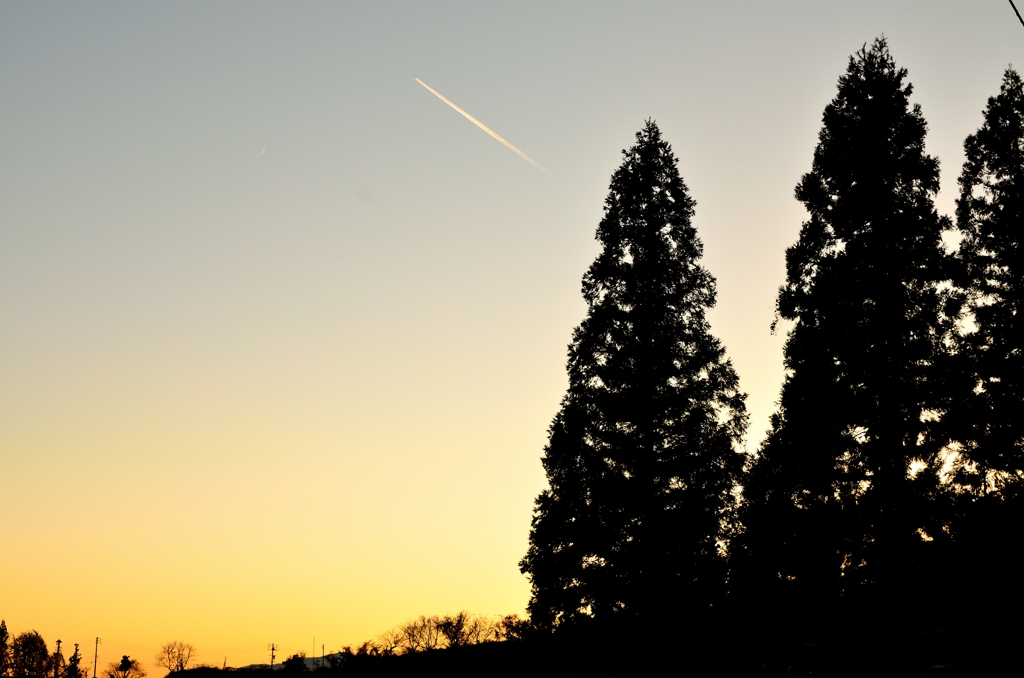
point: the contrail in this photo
(484, 127)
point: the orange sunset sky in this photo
(252, 396)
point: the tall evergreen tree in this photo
(644, 453)
(990, 215)
(839, 495)
(74, 668)
(5, 649)
(986, 404)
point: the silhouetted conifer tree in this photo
(643, 455)
(987, 404)
(5, 649)
(841, 493)
(74, 667)
(990, 215)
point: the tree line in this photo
(27, 656)
(423, 634)
(891, 480)
(435, 632)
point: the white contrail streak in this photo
(483, 127)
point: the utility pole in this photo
(95, 655)
(271, 647)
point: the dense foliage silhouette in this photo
(26, 656)
(643, 455)
(295, 663)
(990, 215)
(986, 391)
(29, 656)
(839, 500)
(126, 668)
(74, 666)
(5, 649)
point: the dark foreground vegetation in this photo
(875, 530)
(772, 644)
(876, 527)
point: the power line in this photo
(134, 647)
(1021, 20)
(217, 650)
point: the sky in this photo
(281, 333)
